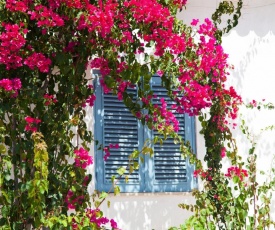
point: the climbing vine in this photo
(47, 50)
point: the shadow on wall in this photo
(251, 49)
(251, 46)
(148, 211)
(258, 16)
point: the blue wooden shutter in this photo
(168, 171)
(165, 172)
(115, 124)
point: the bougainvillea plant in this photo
(47, 48)
(240, 200)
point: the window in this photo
(166, 171)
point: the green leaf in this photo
(4, 224)
(2, 149)
(121, 171)
(135, 154)
(116, 190)
(236, 179)
(64, 222)
(131, 169)
(160, 141)
(156, 138)
(136, 165)
(147, 150)
(6, 196)
(141, 159)
(97, 203)
(5, 211)
(103, 195)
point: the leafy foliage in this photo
(238, 200)
(47, 49)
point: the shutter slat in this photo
(168, 163)
(120, 127)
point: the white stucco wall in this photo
(251, 49)
(251, 46)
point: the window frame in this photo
(146, 171)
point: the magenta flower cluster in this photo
(193, 93)
(72, 200)
(236, 171)
(11, 54)
(106, 150)
(38, 60)
(12, 40)
(45, 17)
(82, 158)
(96, 217)
(49, 99)
(15, 5)
(203, 174)
(11, 86)
(32, 124)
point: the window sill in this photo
(125, 194)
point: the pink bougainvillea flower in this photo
(38, 60)
(82, 158)
(236, 171)
(114, 146)
(16, 84)
(90, 100)
(45, 17)
(85, 181)
(196, 173)
(11, 86)
(203, 174)
(14, 5)
(68, 200)
(93, 215)
(223, 152)
(179, 3)
(72, 200)
(160, 73)
(106, 150)
(32, 123)
(12, 40)
(6, 84)
(194, 22)
(49, 99)
(253, 103)
(113, 224)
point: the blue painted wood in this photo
(169, 172)
(165, 172)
